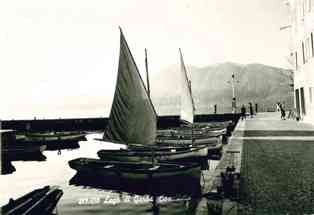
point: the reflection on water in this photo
(24, 150)
(84, 198)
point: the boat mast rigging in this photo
(147, 76)
(148, 93)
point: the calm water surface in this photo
(85, 200)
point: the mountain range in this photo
(256, 83)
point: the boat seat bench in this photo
(154, 168)
(108, 166)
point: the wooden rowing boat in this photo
(39, 201)
(55, 136)
(159, 154)
(135, 171)
(185, 187)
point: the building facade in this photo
(302, 54)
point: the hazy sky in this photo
(60, 57)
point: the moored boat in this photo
(209, 132)
(39, 201)
(186, 139)
(159, 154)
(52, 140)
(190, 132)
(133, 119)
(185, 187)
(135, 171)
(55, 136)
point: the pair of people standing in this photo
(243, 111)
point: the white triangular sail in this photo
(132, 119)
(187, 104)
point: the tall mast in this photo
(147, 77)
(234, 104)
(187, 104)
(148, 93)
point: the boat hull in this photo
(51, 140)
(159, 154)
(39, 201)
(197, 133)
(175, 140)
(47, 137)
(187, 187)
(135, 171)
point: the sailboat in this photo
(188, 134)
(133, 121)
(129, 126)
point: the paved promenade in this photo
(277, 165)
(276, 160)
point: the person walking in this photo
(251, 109)
(282, 111)
(278, 106)
(256, 107)
(243, 112)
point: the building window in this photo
(297, 101)
(303, 9)
(307, 5)
(303, 102)
(296, 60)
(312, 44)
(307, 49)
(299, 16)
(303, 55)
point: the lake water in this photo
(85, 200)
